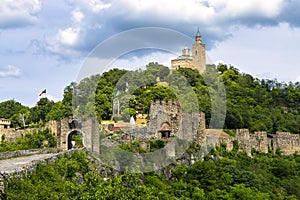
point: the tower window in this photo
(196, 52)
(178, 67)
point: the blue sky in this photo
(44, 43)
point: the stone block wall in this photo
(162, 112)
(190, 126)
(11, 134)
(286, 142)
(261, 141)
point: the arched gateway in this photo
(75, 139)
(65, 128)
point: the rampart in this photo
(166, 120)
(18, 153)
(62, 130)
(168, 117)
(261, 141)
(11, 134)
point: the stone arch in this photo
(165, 129)
(89, 128)
(69, 137)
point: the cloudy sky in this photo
(43, 44)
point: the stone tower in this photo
(195, 61)
(199, 54)
(167, 118)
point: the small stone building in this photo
(4, 123)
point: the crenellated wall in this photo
(168, 114)
(162, 112)
(288, 143)
(261, 141)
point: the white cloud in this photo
(201, 12)
(95, 20)
(76, 38)
(165, 10)
(10, 71)
(77, 15)
(68, 36)
(18, 13)
(237, 8)
(95, 6)
(64, 42)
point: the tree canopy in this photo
(260, 105)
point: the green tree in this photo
(39, 112)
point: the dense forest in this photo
(264, 105)
(221, 175)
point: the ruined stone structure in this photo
(261, 141)
(4, 123)
(10, 134)
(63, 129)
(167, 118)
(195, 61)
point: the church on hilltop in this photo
(196, 60)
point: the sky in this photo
(44, 44)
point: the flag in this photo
(43, 92)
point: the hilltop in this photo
(259, 105)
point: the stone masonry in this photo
(65, 127)
(62, 129)
(195, 61)
(261, 141)
(167, 116)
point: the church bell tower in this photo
(199, 54)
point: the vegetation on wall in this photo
(35, 140)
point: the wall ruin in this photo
(261, 141)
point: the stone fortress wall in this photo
(167, 120)
(62, 130)
(261, 141)
(169, 112)
(10, 134)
